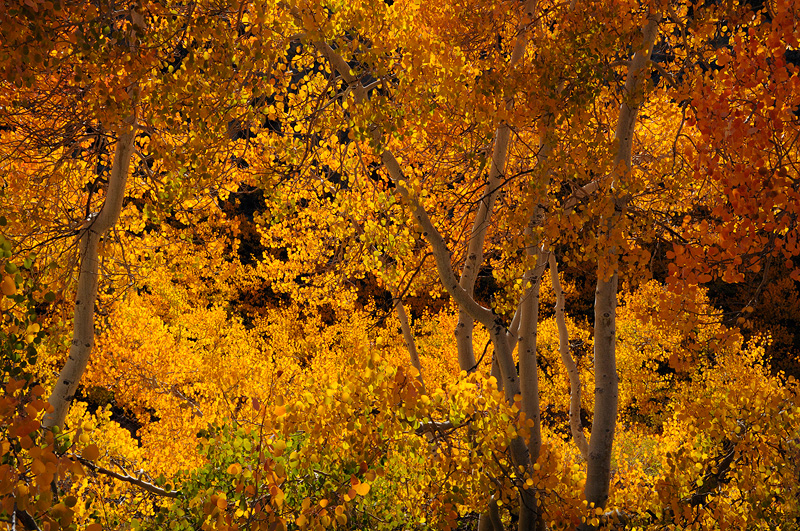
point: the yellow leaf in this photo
(8, 286)
(362, 489)
(234, 469)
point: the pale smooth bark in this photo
(598, 471)
(480, 226)
(527, 340)
(472, 263)
(86, 296)
(526, 329)
(575, 425)
(606, 392)
(408, 337)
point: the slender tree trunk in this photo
(606, 381)
(409, 339)
(86, 296)
(575, 425)
(527, 339)
(474, 259)
(477, 238)
(520, 453)
(606, 391)
(529, 513)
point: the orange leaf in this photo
(91, 452)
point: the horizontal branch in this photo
(149, 487)
(441, 428)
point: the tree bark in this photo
(477, 238)
(598, 471)
(497, 168)
(529, 513)
(86, 296)
(606, 392)
(575, 425)
(527, 340)
(409, 339)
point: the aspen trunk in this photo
(528, 361)
(477, 238)
(409, 339)
(86, 296)
(526, 329)
(606, 381)
(606, 391)
(466, 322)
(520, 452)
(529, 513)
(575, 425)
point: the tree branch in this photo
(149, 487)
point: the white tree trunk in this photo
(598, 471)
(575, 425)
(529, 513)
(527, 341)
(86, 296)
(497, 168)
(477, 238)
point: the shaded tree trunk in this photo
(408, 337)
(575, 426)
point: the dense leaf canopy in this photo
(400, 265)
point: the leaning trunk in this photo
(409, 339)
(83, 328)
(477, 238)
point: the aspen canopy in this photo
(399, 265)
